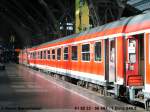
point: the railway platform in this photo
(25, 90)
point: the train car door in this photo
(110, 60)
(135, 60)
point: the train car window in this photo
(44, 54)
(53, 54)
(41, 55)
(86, 52)
(58, 53)
(97, 51)
(66, 53)
(34, 55)
(31, 55)
(74, 50)
(132, 51)
(38, 55)
(48, 54)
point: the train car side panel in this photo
(147, 72)
(120, 61)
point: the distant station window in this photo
(53, 54)
(58, 53)
(66, 53)
(48, 54)
(97, 51)
(86, 52)
(74, 51)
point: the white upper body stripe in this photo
(94, 39)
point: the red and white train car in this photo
(117, 53)
(23, 57)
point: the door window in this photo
(132, 50)
(112, 50)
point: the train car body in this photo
(115, 54)
(24, 57)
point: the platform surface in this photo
(26, 90)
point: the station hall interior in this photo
(27, 26)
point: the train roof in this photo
(122, 22)
(136, 20)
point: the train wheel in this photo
(87, 85)
(147, 105)
(63, 78)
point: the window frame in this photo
(38, 55)
(44, 55)
(53, 54)
(84, 52)
(31, 56)
(94, 51)
(41, 54)
(59, 48)
(65, 53)
(35, 54)
(77, 53)
(48, 54)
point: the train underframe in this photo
(132, 94)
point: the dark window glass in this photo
(48, 54)
(34, 55)
(38, 55)
(97, 51)
(58, 53)
(53, 54)
(74, 51)
(41, 55)
(66, 53)
(44, 54)
(86, 52)
(31, 55)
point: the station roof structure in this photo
(30, 22)
(142, 5)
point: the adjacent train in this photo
(114, 55)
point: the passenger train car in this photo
(114, 55)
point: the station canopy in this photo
(142, 5)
